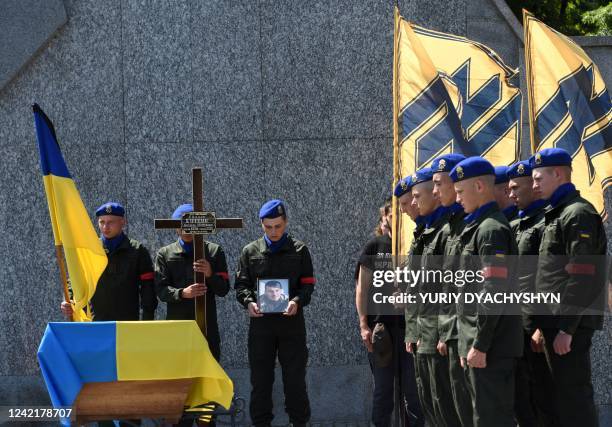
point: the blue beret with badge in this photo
(422, 175)
(182, 210)
(501, 174)
(111, 208)
(446, 162)
(471, 168)
(519, 170)
(550, 157)
(404, 186)
(272, 209)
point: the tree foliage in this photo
(571, 17)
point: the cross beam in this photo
(199, 223)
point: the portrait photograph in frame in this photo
(272, 295)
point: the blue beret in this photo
(272, 209)
(501, 174)
(422, 175)
(111, 208)
(550, 157)
(519, 170)
(446, 162)
(470, 168)
(404, 186)
(181, 210)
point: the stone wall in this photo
(278, 98)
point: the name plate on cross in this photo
(199, 223)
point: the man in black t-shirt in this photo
(388, 361)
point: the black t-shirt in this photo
(376, 255)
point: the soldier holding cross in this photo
(174, 268)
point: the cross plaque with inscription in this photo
(198, 223)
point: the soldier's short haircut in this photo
(273, 284)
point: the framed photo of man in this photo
(273, 295)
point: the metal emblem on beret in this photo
(414, 177)
(280, 210)
(460, 173)
(109, 209)
(403, 185)
(520, 169)
(538, 159)
(442, 165)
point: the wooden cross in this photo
(198, 223)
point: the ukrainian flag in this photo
(72, 228)
(569, 107)
(73, 354)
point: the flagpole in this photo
(530, 100)
(395, 226)
(59, 255)
(396, 171)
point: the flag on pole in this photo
(450, 94)
(569, 107)
(491, 104)
(72, 228)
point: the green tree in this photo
(571, 17)
(600, 19)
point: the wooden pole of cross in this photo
(198, 223)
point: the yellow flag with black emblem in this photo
(451, 94)
(491, 103)
(569, 107)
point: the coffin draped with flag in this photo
(72, 354)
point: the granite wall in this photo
(279, 98)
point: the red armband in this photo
(223, 275)
(147, 276)
(497, 272)
(307, 281)
(582, 269)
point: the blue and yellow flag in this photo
(74, 354)
(569, 107)
(451, 94)
(72, 228)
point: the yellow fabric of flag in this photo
(451, 94)
(160, 350)
(569, 107)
